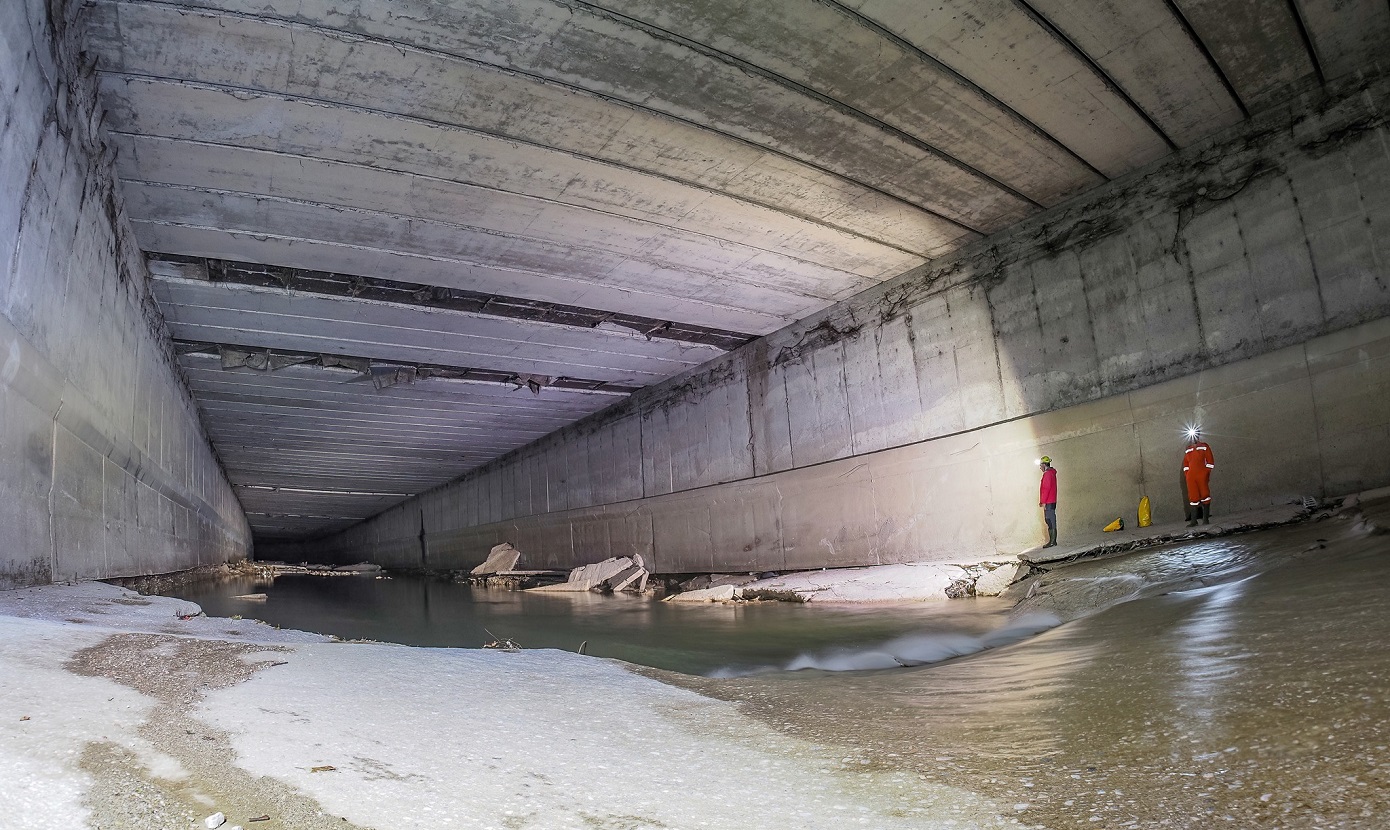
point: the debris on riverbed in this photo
(501, 558)
(877, 583)
(613, 575)
(503, 643)
(504, 569)
(251, 597)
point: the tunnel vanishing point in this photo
(764, 286)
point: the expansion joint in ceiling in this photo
(378, 289)
(1099, 71)
(383, 373)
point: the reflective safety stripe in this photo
(1211, 466)
(1184, 468)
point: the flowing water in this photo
(1233, 682)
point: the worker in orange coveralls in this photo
(1197, 464)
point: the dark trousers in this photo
(1050, 516)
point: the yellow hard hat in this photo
(1045, 460)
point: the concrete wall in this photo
(104, 468)
(1242, 284)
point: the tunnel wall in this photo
(104, 468)
(1243, 284)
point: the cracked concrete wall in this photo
(104, 467)
(1243, 284)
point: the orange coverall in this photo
(1197, 464)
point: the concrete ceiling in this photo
(610, 192)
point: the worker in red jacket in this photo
(1197, 464)
(1047, 499)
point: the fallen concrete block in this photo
(993, 583)
(567, 587)
(717, 580)
(696, 583)
(591, 577)
(724, 593)
(622, 581)
(601, 572)
(359, 568)
(502, 557)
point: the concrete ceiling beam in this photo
(205, 366)
(662, 158)
(830, 52)
(734, 222)
(705, 272)
(1347, 37)
(291, 321)
(197, 113)
(291, 252)
(1000, 47)
(315, 62)
(1257, 43)
(540, 413)
(1149, 52)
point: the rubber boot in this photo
(1052, 537)
(1206, 513)
(1193, 512)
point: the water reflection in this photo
(1238, 682)
(1256, 701)
(697, 639)
(1207, 648)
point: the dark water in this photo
(695, 639)
(1236, 682)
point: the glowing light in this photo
(1191, 431)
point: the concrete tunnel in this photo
(733, 287)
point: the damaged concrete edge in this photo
(384, 373)
(434, 297)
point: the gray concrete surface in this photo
(402, 245)
(701, 162)
(104, 468)
(1241, 285)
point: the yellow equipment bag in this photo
(1118, 524)
(1145, 515)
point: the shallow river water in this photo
(1232, 682)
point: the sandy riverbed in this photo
(116, 713)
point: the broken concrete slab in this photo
(595, 576)
(723, 593)
(501, 558)
(359, 568)
(879, 583)
(993, 582)
(716, 580)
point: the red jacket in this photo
(1198, 459)
(1047, 491)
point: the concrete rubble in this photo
(879, 583)
(501, 558)
(615, 574)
